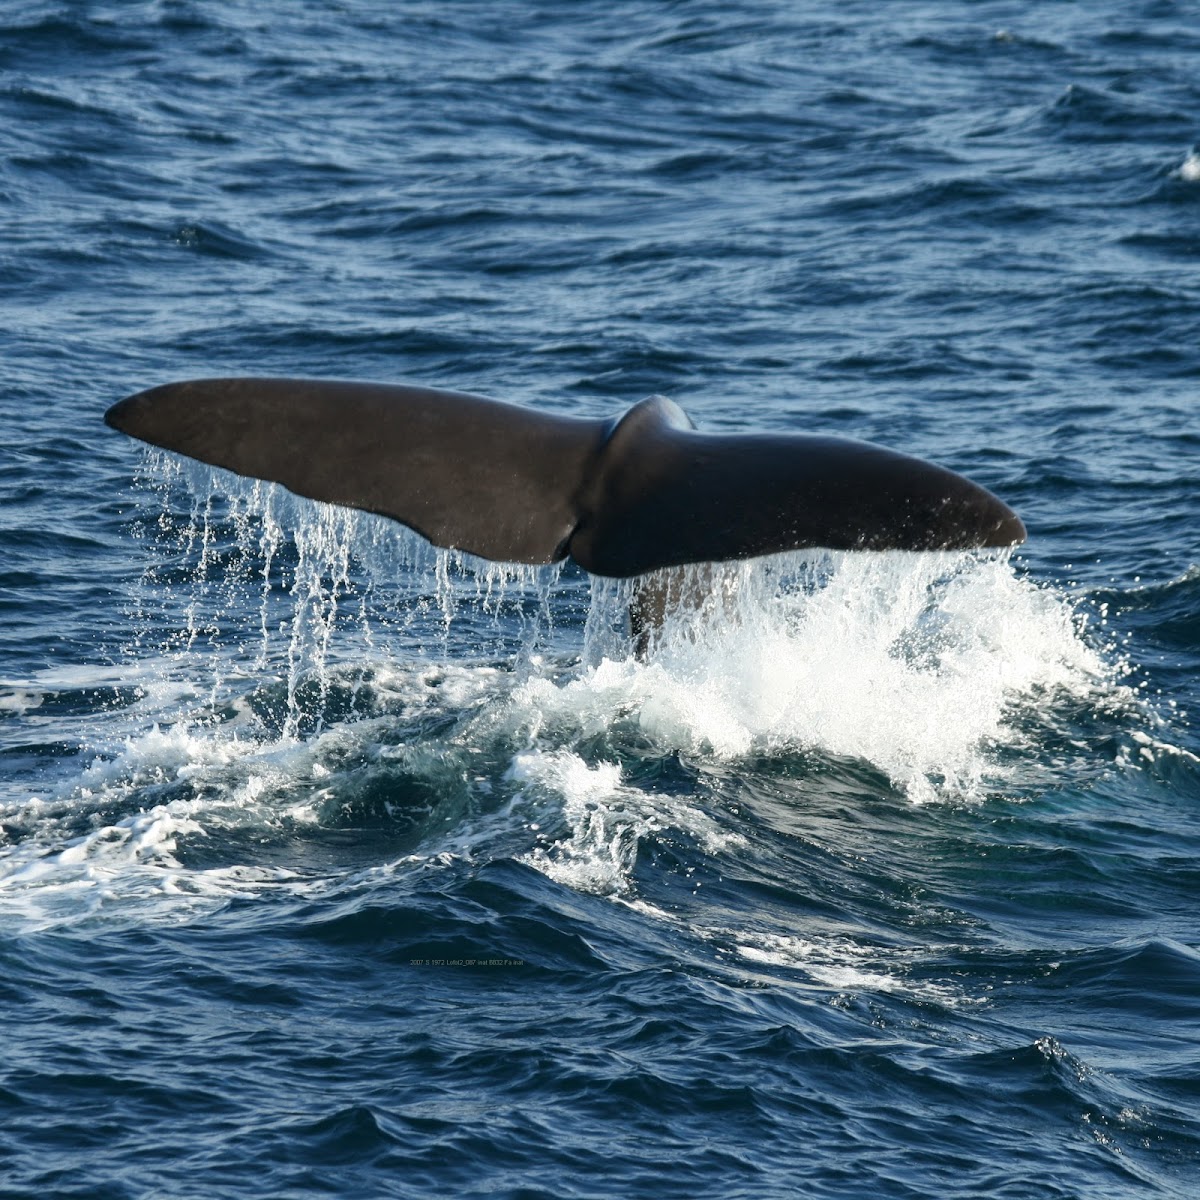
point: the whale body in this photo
(620, 497)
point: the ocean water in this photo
(334, 865)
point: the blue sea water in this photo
(332, 865)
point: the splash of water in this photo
(922, 664)
(322, 587)
(919, 663)
(302, 666)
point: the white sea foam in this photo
(924, 665)
(916, 663)
(263, 663)
(841, 963)
(605, 821)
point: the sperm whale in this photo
(621, 497)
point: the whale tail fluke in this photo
(621, 497)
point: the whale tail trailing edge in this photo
(620, 497)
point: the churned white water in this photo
(296, 665)
(914, 662)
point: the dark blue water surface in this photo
(332, 865)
